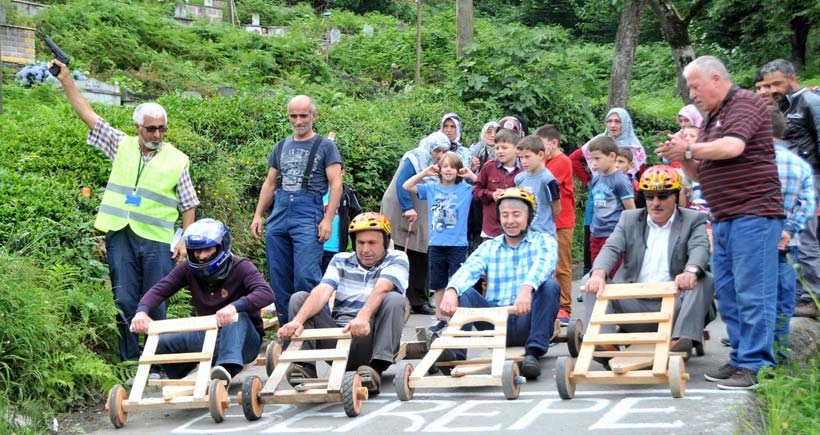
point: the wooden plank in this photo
(337, 368)
(184, 402)
(638, 290)
(143, 370)
(275, 379)
(169, 393)
(313, 355)
(452, 382)
(610, 378)
(486, 333)
(634, 318)
(187, 324)
(627, 338)
(203, 375)
(309, 396)
(468, 342)
(321, 334)
(184, 382)
(174, 358)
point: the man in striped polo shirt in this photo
(369, 287)
(734, 161)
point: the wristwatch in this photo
(693, 269)
(688, 153)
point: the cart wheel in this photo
(252, 407)
(402, 381)
(353, 393)
(677, 376)
(272, 353)
(574, 331)
(113, 405)
(563, 378)
(509, 378)
(218, 400)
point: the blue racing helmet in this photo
(203, 234)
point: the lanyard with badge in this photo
(132, 198)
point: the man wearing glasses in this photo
(659, 243)
(149, 185)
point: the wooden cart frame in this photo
(503, 371)
(196, 390)
(341, 385)
(647, 360)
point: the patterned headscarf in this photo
(422, 156)
(691, 112)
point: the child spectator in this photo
(495, 176)
(561, 168)
(540, 182)
(799, 201)
(448, 205)
(610, 190)
(625, 164)
(348, 207)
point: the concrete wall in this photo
(17, 44)
(27, 8)
(184, 13)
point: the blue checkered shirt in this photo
(797, 186)
(107, 139)
(508, 268)
(354, 283)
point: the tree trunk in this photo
(418, 43)
(626, 42)
(676, 31)
(464, 25)
(800, 35)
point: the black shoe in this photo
(425, 309)
(725, 341)
(446, 356)
(300, 373)
(371, 379)
(530, 368)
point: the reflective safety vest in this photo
(142, 195)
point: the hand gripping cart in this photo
(504, 371)
(196, 390)
(340, 386)
(647, 360)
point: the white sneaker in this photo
(219, 372)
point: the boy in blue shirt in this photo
(539, 181)
(448, 206)
(610, 191)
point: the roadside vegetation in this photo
(57, 332)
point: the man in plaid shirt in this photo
(799, 201)
(519, 265)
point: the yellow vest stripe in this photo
(143, 192)
(134, 216)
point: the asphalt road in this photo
(605, 409)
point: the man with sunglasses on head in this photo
(660, 243)
(148, 187)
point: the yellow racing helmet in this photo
(521, 194)
(660, 178)
(369, 220)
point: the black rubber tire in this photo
(563, 380)
(350, 399)
(252, 407)
(272, 353)
(402, 381)
(509, 378)
(218, 401)
(116, 414)
(574, 331)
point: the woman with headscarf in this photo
(619, 127)
(514, 122)
(408, 216)
(484, 149)
(450, 126)
(689, 115)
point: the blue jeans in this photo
(786, 287)
(135, 264)
(292, 246)
(444, 262)
(532, 330)
(237, 343)
(745, 269)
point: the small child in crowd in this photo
(495, 176)
(561, 168)
(448, 205)
(625, 163)
(610, 190)
(539, 181)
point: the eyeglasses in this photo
(661, 196)
(155, 128)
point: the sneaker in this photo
(725, 341)
(563, 317)
(721, 374)
(530, 368)
(434, 329)
(370, 379)
(806, 308)
(219, 372)
(299, 373)
(741, 379)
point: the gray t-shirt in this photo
(293, 162)
(544, 187)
